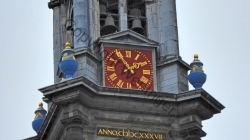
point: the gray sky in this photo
(218, 30)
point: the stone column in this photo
(123, 12)
(81, 18)
(168, 28)
(91, 9)
(152, 20)
(172, 74)
(74, 131)
(57, 43)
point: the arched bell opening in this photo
(109, 26)
(109, 16)
(137, 16)
(137, 26)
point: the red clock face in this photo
(128, 68)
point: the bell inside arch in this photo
(103, 8)
(135, 12)
(109, 26)
(136, 26)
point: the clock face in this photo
(128, 68)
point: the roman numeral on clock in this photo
(144, 80)
(129, 85)
(137, 56)
(120, 83)
(128, 54)
(146, 72)
(112, 59)
(110, 68)
(113, 76)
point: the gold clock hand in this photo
(120, 56)
(128, 67)
(138, 85)
(137, 65)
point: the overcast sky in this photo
(218, 30)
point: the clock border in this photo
(152, 49)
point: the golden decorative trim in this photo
(38, 114)
(66, 56)
(196, 56)
(194, 67)
(67, 45)
(40, 105)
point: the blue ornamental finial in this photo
(68, 65)
(39, 118)
(197, 77)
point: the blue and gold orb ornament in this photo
(197, 77)
(39, 118)
(68, 65)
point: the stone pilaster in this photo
(188, 128)
(123, 12)
(81, 18)
(167, 23)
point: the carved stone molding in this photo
(75, 117)
(150, 1)
(192, 137)
(53, 4)
(193, 133)
(74, 132)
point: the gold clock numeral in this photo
(146, 72)
(129, 85)
(137, 56)
(110, 68)
(128, 54)
(113, 76)
(144, 80)
(120, 83)
(112, 59)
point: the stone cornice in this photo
(94, 97)
(192, 132)
(75, 117)
(112, 39)
(53, 4)
(174, 59)
(201, 93)
(78, 89)
(83, 51)
(69, 84)
(82, 81)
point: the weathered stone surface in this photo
(82, 108)
(86, 108)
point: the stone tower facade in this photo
(131, 82)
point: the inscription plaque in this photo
(130, 134)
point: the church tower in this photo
(124, 78)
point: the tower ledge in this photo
(84, 91)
